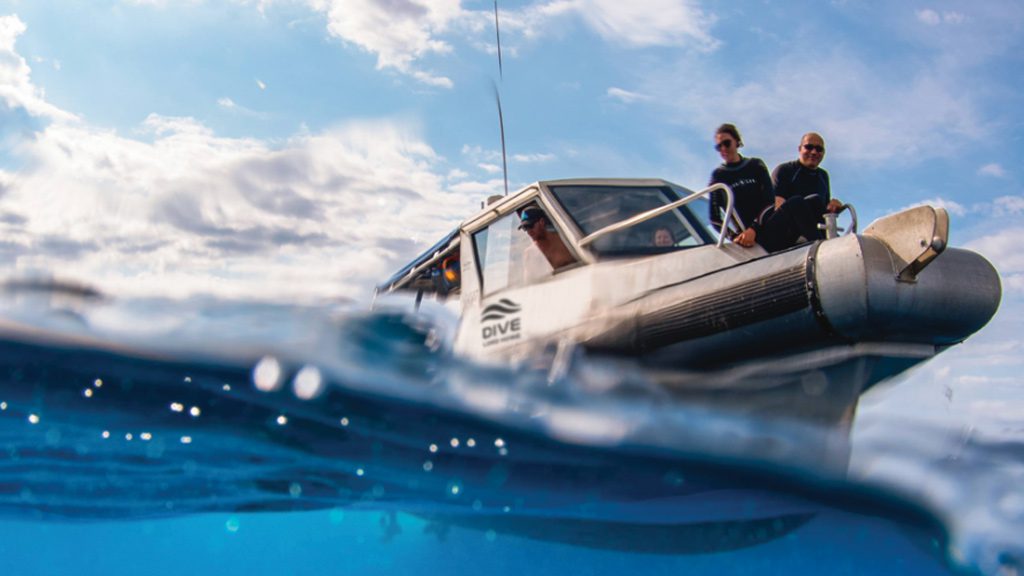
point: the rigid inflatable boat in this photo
(804, 330)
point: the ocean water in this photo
(221, 437)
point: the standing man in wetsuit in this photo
(804, 178)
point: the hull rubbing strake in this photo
(781, 293)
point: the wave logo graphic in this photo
(499, 310)
(501, 322)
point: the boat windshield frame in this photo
(625, 221)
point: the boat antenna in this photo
(501, 126)
(497, 35)
(497, 98)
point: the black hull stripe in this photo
(782, 293)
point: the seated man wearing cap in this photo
(535, 222)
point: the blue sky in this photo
(306, 148)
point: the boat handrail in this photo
(654, 212)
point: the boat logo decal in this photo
(501, 322)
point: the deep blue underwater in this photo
(217, 437)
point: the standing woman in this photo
(750, 182)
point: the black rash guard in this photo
(795, 179)
(751, 189)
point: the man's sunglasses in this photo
(814, 148)
(723, 144)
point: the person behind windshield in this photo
(750, 182)
(663, 237)
(535, 223)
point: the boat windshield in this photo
(593, 207)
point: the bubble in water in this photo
(232, 525)
(267, 374)
(308, 383)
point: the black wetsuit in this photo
(807, 194)
(794, 179)
(751, 190)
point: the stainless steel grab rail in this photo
(654, 212)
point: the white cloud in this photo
(933, 18)
(993, 169)
(232, 106)
(324, 214)
(1003, 250)
(399, 32)
(650, 23)
(186, 211)
(929, 17)
(625, 95)
(533, 158)
(1008, 205)
(457, 174)
(951, 206)
(260, 84)
(16, 89)
(639, 24)
(489, 168)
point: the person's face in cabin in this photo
(662, 237)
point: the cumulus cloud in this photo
(16, 89)
(186, 211)
(1003, 250)
(194, 212)
(399, 32)
(650, 23)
